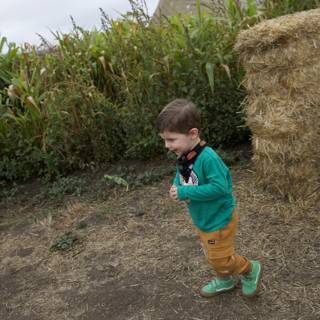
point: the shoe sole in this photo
(255, 293)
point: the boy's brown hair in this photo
(179, 116)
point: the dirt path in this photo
(136, 257)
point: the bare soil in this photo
(136, 257)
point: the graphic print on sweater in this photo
(193, 179)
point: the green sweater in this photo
(209, 192)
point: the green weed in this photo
(131, 179)
(116, 181)
(65, 186)
(7, 192)
(65, 242)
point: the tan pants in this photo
(219, 249)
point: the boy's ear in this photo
(194, 132)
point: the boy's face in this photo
(180, 143)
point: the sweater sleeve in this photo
(176, 180)
(218, 183)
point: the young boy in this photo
(204, 181)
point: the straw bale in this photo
(295, 181)
(286, 161)
(285, 164)
(289, 174)
(280, 118)
(293, 81)
(270, 103)
(278, 32)
(282, 62)
(274, 125)
(287, 150)
(285, 58)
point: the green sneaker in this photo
(218, 285)
(250, 282)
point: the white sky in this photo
(21, 20)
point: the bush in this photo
(95, 96)
(276, 8)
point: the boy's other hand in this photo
(173, 192)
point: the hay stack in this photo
(282, 61)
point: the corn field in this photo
(93, 96)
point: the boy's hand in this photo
(173, 192)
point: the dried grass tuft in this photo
(282, 61)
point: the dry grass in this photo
(138, 258)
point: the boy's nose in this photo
(167, 145)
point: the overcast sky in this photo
(21, 20)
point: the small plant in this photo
(66, 185)
(64, 243)
(7, 193)
(151, 176)
(133, 179)
(116, 181)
